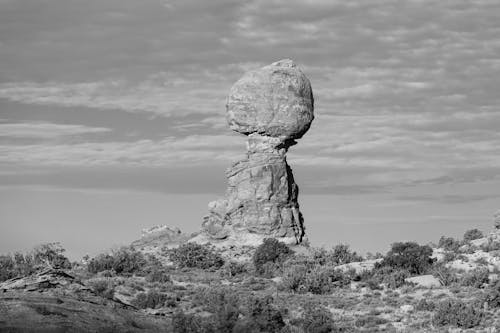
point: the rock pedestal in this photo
(273, 106)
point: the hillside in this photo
(163, 283)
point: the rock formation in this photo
(55, 301)
(272, 106)
(496, 220)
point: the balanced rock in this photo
(275, 101)
(272, 106)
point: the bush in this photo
(223, 303)
(341, 254)
(396, 278)
(233, 268)
(472, 234)
(476, 278)
(212, 299)
(294, 278)
(189, 323)
(449, 243)
(153, 299)
(323, 280)
(425, 305)
(263, 314)
(317, 319)
(158, 275)
(50, 254)
(444, 274)
(123, 261)
(457, 313)
(492, 296)
(270, 251)
(317, 280)
(103, 287)
(194, 255)
(409, 256)
(42, 256)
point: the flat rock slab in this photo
(54, 301)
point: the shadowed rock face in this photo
(272, 106)
(54, 301)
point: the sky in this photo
(112, 116)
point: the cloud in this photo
(191, 150)
(40, 130)
(405, 91)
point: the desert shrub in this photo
(475, 278)
(490, 246)
(410, 256)
(396, 278)
(128, 260)
(214, 298)
(125, 260)
(491, 296)
(195, 255)
(322, 280)
(373, 284)
(7, 267)
(472, 234)
(425, 305)
(152, 299)
(158, 275)
(103, 287)
(370, 321)
(338, 255)
(262, 315)
(50, 254)
(445, 275)
(233, 268)
(102, 262)
(341, 254)
(294, 278)
(317, 319)
(317, 280)
(448, 243)
(222, 302)
(42, 256)
(189, 323)
(457, 313)
(372, 256)
(270, 251)
(449, 256)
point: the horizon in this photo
(112, 116)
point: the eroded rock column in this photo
(272, 106)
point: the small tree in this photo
(410, 256)
(270, 251)
(50, 254)
(448, 243)
(194, 255)
(342, 254)
(472, 234)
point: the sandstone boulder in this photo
(275, 100)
